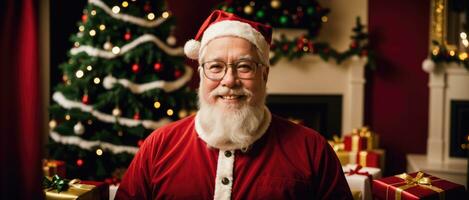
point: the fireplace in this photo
(322, 113)
(459, 128)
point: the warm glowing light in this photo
(463, 35)
(436, 51)
(52, 124)
(99, 152)
(151, 16)
(79, 73)
(324, 19)
(96, 80)
(463, 56)
(92, 32)
(165, 14)
(452, 53)
(170, 112)
(157, 104)
(116, 9)
(116, 50)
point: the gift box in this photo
(372, 158)
(53, 167)
(346, 157)
(417, 185)
(355, 142)
(359, 178)
(357, 195)
(113, 191)
(372, 138)
(77, 190)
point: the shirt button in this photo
(228, 154)
(225, 181)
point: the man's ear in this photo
(265, 74)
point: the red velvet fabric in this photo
(20, 133)
(288, 162)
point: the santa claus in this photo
(233, 148)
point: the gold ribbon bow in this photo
(419, 180)
(337, 143)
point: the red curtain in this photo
(20, 128)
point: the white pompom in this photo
(191, 49)
(428, 65)
(108, 82)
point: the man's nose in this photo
(230, 79)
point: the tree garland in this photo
(128, 18)
(168, 86)
(69, 104)
(304, 45)
(90, 145)
(441, 54)
(91, 51)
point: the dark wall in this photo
(397, 93)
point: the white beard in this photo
(228, 128)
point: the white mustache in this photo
(223, 91)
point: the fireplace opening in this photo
(459, 128)
(322, 113)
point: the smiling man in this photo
(233, 148)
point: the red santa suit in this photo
(288, 161)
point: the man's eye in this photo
(245, 67)
(215, 67)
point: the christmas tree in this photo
(124, 78)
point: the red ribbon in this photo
(357, 171)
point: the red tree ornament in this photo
(127, 36)
(285, 48)
(137, 116)
(79, 162)
(177, 73)
(84, 18)
(135, 68)
(147, 7)
(85, 99)
(158, 66)
(353, 45)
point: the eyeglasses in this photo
(216, 70)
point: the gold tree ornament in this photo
(275, 4)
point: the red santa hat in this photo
(221, 23)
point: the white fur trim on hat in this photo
(191, 49)
(238, 29)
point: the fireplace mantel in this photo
(449, 82)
